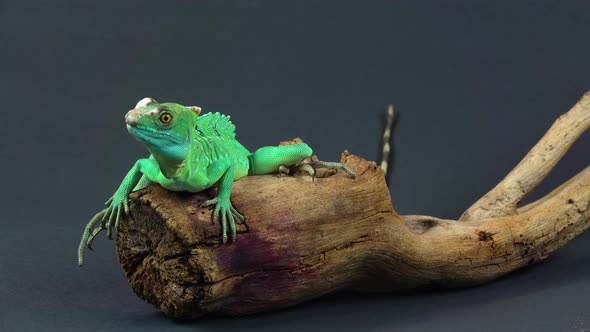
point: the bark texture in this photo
(304, 238)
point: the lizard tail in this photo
(386, 140)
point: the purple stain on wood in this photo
(251, 253)
(266, 269)
(269, 286)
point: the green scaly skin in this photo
(191, 153)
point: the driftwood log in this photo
(304, 238)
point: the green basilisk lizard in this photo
(192, 152)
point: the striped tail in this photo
(386, 140)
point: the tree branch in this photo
(535, 166)
(305, 238)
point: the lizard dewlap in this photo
(192, 152)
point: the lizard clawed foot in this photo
(284, 170)
(224, 208)
(310, 168)
(117, 209)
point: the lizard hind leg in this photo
(269, 159)
(310, 167)
(285, 170)
(286, 158)
(301, 166)
(332, 165)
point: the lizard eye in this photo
(165, 118)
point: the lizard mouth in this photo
(148, 135)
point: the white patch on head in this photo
(132, 117)
(152, 112)
(144, 102)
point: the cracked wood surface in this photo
(294, 246)
(305, 238)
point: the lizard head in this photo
(166, 129)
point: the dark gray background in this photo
(476, 84)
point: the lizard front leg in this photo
(222, 172)
(118, 205)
